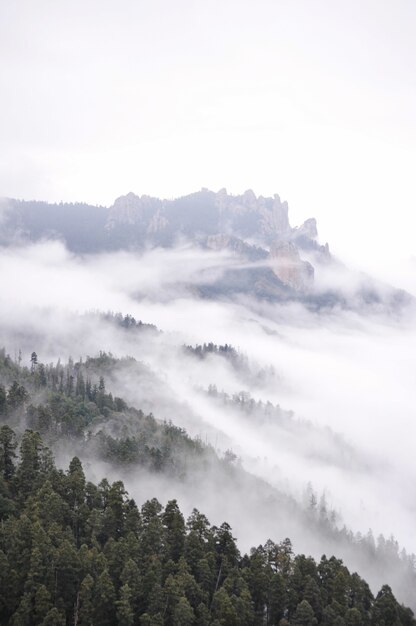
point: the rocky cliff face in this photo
(236, 246)
(131, 209)
(289, 267)
(245, 216)
(307, 229)
(269, 255)
(260, 218)
(220, 221)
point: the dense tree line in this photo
(246, 370)
(74, 553)
(246, 404)
(128, 322)
(226, 350)
(70, 403)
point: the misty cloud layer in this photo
(318, 393)
(350, 381)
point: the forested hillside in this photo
(207, 400)
(72, 552)
(71, 409)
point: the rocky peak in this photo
(264, 219)
(307, 229)
(224, 221)
(278, 218)
(132, 209)
(289, 267)
(221, 198)
(250, 200)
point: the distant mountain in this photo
(268, 258)
(205, 213)
(134, 220)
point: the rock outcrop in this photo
(133, 210)
(271, 259)
(260, 218)
(245, 216)
(245, 225)
(307, 229)
(289, 267)
(236, 246)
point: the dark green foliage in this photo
(3, 400)
(16, 396)
(174, 524)
(8, 445)
(75, 553)
(71, 401)
(65, 543)
(227, 351)
(128, 322)
(304, 615)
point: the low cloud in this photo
(349, 379)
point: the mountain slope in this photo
(76, 415)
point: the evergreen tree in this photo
(54, 618)
(80, 389)
(3, 400)
(104, 600)
(74, 553)
(183, 614)
(84, 614)
(30, 462)
(304, 615)
(16, 396)
(174, 524)
(33, 362)
(8, 445)
(43, 603)
(385, 611)
(125, 611)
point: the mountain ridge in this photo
(271, 260)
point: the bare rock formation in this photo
(132, 209)
(289, 267)
(307, 229)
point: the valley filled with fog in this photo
(207, 392)
(315, 403)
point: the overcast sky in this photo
(312, 99)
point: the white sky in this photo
(312, 99)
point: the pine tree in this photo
(80, 385)
(385, 610)
(183, 614)
(304, 615)
(353, 618)
(130, 576)
(30, 462)
(104, 600)
(54, 618)
(16, 396)
(3, 400)
(84, 604)
(8, 445)
(43, 603)
(33, 362)
(125, 612)
(4, 587)
(222, 608)
(174, 524)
